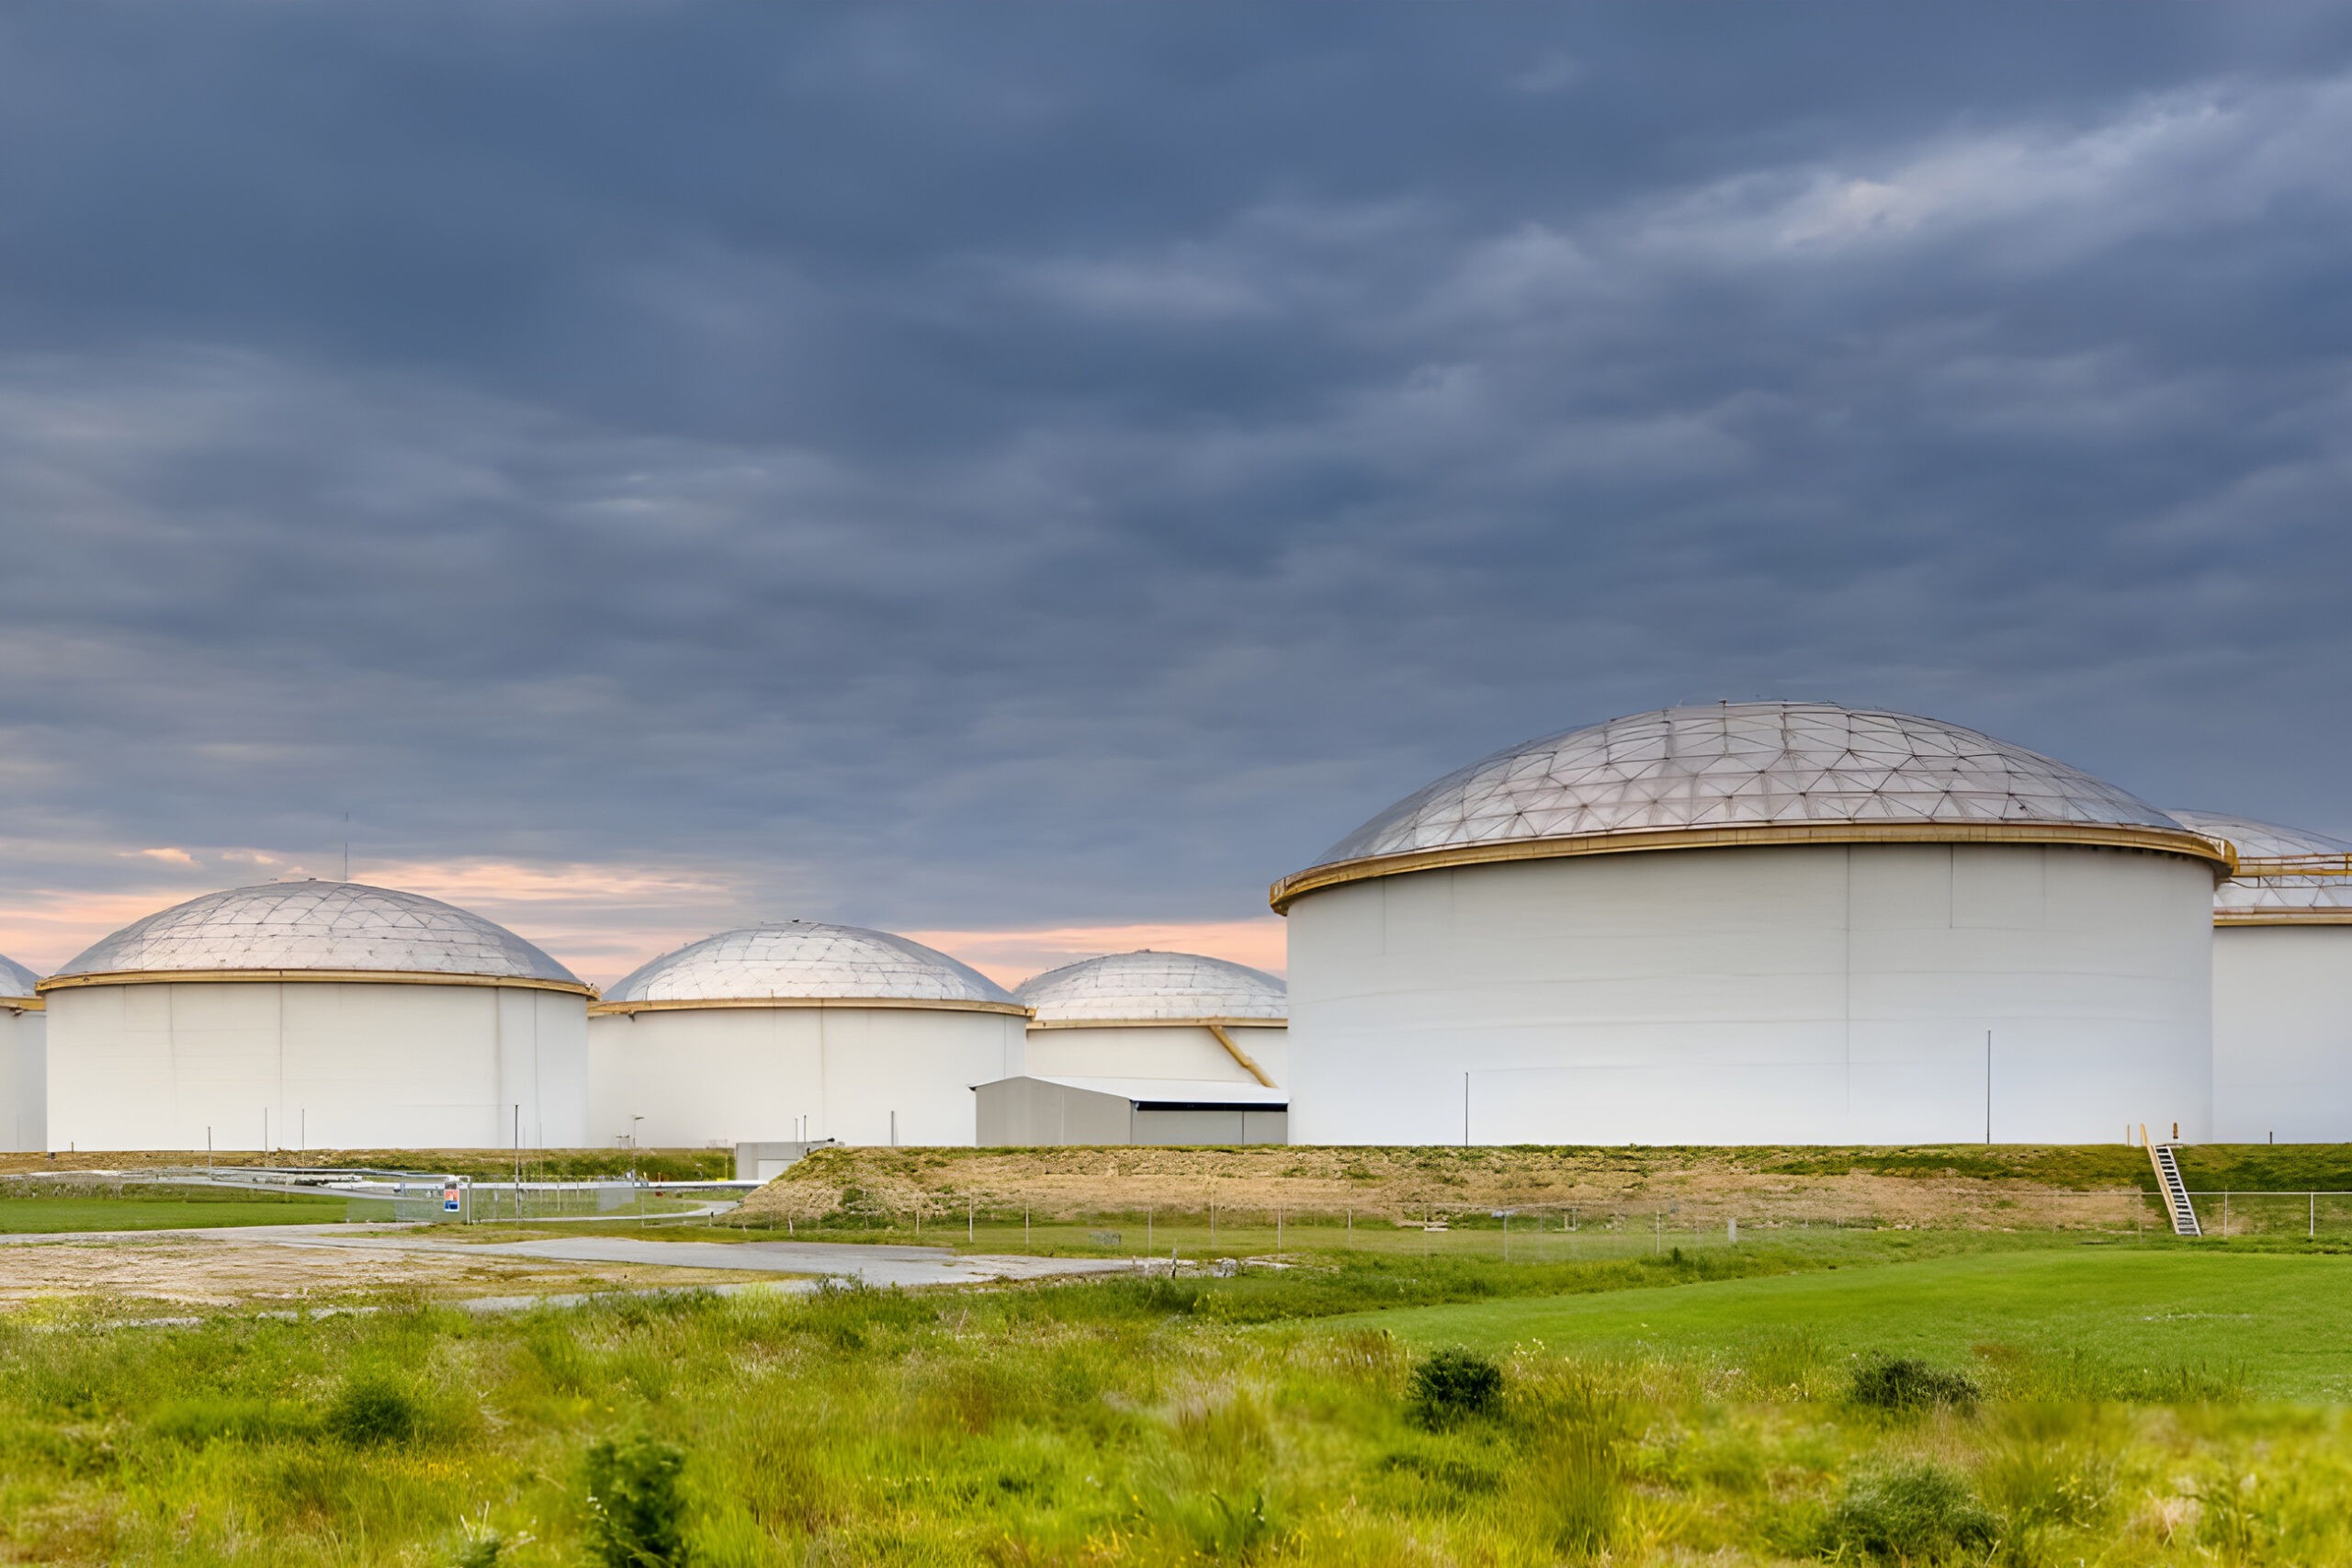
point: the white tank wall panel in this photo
(2282, 1033)
(1270, 1048)
(1159, 1051)
(1817, 994)
(24, 1089)
(705, 1075)
(332, 1065)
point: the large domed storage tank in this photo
(1755, 923)
(1157, 1015)
(24, 1070)
(800, 1030)
(2282, 985)
(316, 1015)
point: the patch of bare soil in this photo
(193, 1271)
(1414, 1184)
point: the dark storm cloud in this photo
(964, 468)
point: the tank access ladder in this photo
(2184, 1213)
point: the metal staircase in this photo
(2184, 1213)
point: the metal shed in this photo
(1027, 1113)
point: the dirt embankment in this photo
(1991, 1188)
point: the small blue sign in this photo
(448, 1200)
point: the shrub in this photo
(1452, 1385)
(637, 1514)
(482, 1550)
(1919, 1513)
(1904, 1382)
(374, 1410)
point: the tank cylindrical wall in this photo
(1833, 994)
(2282, 1035)
(702, 1075)
(24, 1086)
(325, 1064)
(1156, 1051)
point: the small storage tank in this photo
(800, 1030)
(315, 1014)
(1755, 923)
(1157, 1015)
(2282, 985)
(24, 1061)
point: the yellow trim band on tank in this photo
(23, 1004)
(936, 1004)
(308, 977)
(1220, 1022)
(2282, 916)
(2165, 841)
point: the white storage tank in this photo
(24, 1062)
(799, 1031)
(2282, 985)
(316, 1015)
(1755, 923)
(1157, 1015)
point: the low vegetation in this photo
(489, 1165)
(48, 1208)
(1346, 1409)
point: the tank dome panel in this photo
(807, 961)
(1738, 763)
(339, 926)
(1154, 988)
(16, 980)
(2318, 892)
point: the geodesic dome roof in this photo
(1154, 988)
(1735, 766)
(344, 927)
(805, 961)
(16, 980)
(2310, 876)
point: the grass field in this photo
(144, 1210)
(2114, 1404)
(2276, 1324)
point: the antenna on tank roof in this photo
(347, 846)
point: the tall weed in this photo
(1574, 1424)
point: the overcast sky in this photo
(1015, 473)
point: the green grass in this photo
(1271, 1417)
(138, 1211)
(2275, 1320)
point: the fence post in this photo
(2311, 1226)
